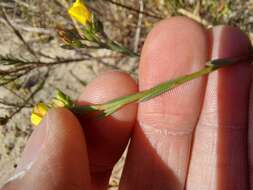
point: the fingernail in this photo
(32, 150)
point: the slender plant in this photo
(92, 31)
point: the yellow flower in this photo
(80, 12)
(61, 100)
(39, 111)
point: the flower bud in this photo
(80, 12)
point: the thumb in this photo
(55, 156)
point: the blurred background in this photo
(33, 64)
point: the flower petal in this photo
(80, 12)
(36, 119)
(39, 111)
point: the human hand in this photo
(197, 136)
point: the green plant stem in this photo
(114, 105)
(120, 49)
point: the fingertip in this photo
(64, 154)
(228, 40)
(106, 84)
(117, 127)
(110, 85)
(178, 44)
(59, 160)
(175, 47)
(59, 118)
(107, 138)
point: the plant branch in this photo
(110, 107)
(25, 103)
(134, 10)
(18, 34)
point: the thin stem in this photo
(135, 10)
(160, 89)
(114, 105)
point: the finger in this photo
(55, 156)
(107, 138)
(220, 143)
(160, 148)
(250, 137)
